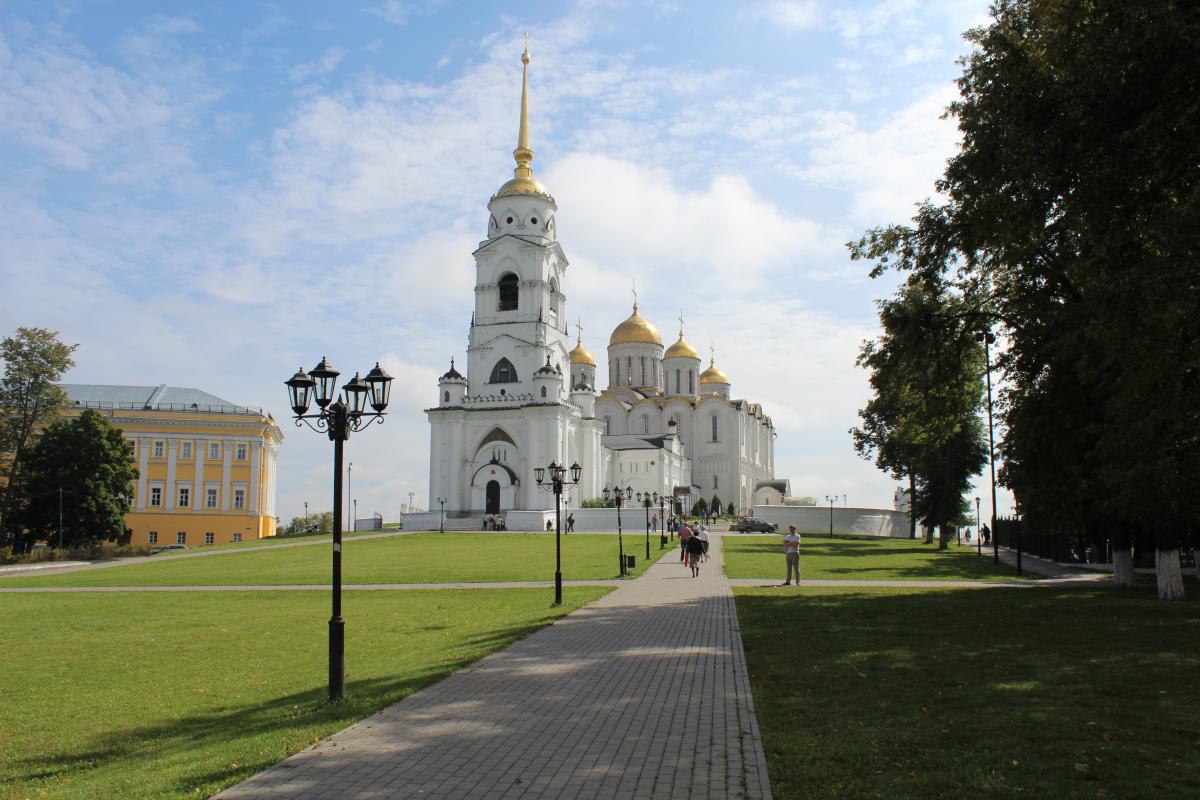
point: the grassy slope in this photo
(176, 695)
(859, 558)
(418, 558)
(985, 693)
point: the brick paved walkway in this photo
(643, 694)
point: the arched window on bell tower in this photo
(509, 287)
(503, 372)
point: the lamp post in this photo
(349, 493)
(354, 518)
(831, 501)
(988, 339)
(338, 418)
(662, 520)
(619, 495)
(306, 516)
(442, 517)
(557, 477)
(647, 500)
(978, 535)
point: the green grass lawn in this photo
(415, 558)
(179, 694)
(860, 558)
(990, 693)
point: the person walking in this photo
(571, 522)
(791, 551)
(695, 549)
(685, 533)
(704, 542)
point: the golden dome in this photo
(681, 349)
(580, 355)
(713, 375)
(527, 186)
(635, 330)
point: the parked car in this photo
(170, 548)
(747, 524)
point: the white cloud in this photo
(789, 15)
(322, 66)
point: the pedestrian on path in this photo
(704, 542)
(791, 551)
(685, 533)
(571, 522)
(695, 549)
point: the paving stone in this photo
(643, 693)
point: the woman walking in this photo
(695, 549)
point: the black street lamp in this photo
(619, 495)
(338, 419)
(978, 535)
(989, 339)
(556, 479)
(662, 520)
(831, 501)
(647, 500)
(306, 516)
(442, 517)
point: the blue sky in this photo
(211, 195)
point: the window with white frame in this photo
(155, 496)
(185, 496)
(645, 424)
(209, 538)
(714, 427)
(239, 498)
(241, 451)
(237, 537)
(153, 537)
(185, 450)
(132, 445)
(714, 481)
(214, 451)
(181, 537)
(158, 448)
(210, 497)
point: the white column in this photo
(252, 501)
(169, 490)
(197, 480)
(144, 445)
(226, 472)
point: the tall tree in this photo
(926, 368)
(86, 465)
(34, 360)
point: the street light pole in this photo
(978, 535)
(442, 517)
(306, 516)
(337, 420)
(831, 500)
(557, 477)
(988, 340)
(645, 501)
(349, 474)
(662, 520)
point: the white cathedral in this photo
(662, 424)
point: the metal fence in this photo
(1016, 534)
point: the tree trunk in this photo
(1169, 572)
(1123, 574)
(944, 534)
(928, 529)
(912, 505)
(1196, 561)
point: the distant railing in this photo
(191, 408)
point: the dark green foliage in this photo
(34, 359)
(715, 504)
(730, 510)
(90, 461)
(597, 502)
(1072, 228)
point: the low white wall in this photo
(871, 521)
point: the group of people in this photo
(494, 522)
(693, 546)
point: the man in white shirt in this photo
(791, 551)
(704, 540)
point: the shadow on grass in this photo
(981, 693)
(194, 746)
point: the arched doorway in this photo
(492, 501)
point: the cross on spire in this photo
(579, 328)
(680, 323)
(635, 293)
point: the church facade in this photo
(661, 424)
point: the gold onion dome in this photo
(681, 349)
(580, 355)
(635, 330)
(523, 182)
(713, 375)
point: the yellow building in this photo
(206, 467)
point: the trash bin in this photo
(630, 562)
